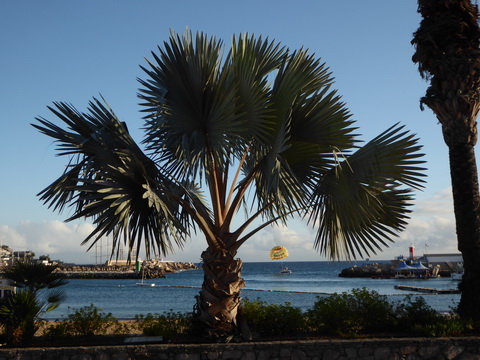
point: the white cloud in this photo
(440, 203)
(55, 238)
(432, 223)
(431, 228)
(11, 237)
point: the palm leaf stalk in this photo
(258, 128)
(447, 52)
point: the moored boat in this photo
(143, 283)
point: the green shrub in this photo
(414, 313)
(417, 317)
(90, 320)
(375, 309)
(85, 321)
(168, 325)
(271, 319)
(443, 326)
(351, 313)
(332, 315)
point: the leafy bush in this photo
(412, 313)
(443, 326)
(331, 315)
(168, 325)
(271, 319)
(351, 313)
(375, 309)
(90, 320)
(417, 317)
(85, 321)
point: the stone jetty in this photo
(153, 267)
(368, 270)
(122, 270)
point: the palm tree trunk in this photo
(218, 302)
(466, 201)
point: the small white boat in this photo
(144, 283)
(285, 270)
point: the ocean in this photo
(176, 292)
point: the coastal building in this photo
(5, 255)
(448, 261)
(23, 255)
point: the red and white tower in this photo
(411, 252)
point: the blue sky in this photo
(72, 51)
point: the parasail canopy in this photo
(278, 252)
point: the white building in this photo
(449, 261)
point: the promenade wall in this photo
(366, 349)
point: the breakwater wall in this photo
(104, 274)
(372, 349)
(150, 269)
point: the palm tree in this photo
(261, 130)
(37, 292)
(19, 313)
(447, 52)
(33, 276)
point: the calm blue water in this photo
(177, 291)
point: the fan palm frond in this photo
(111, 180)
(362, 202)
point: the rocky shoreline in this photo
(150, 269)
(368, 270)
